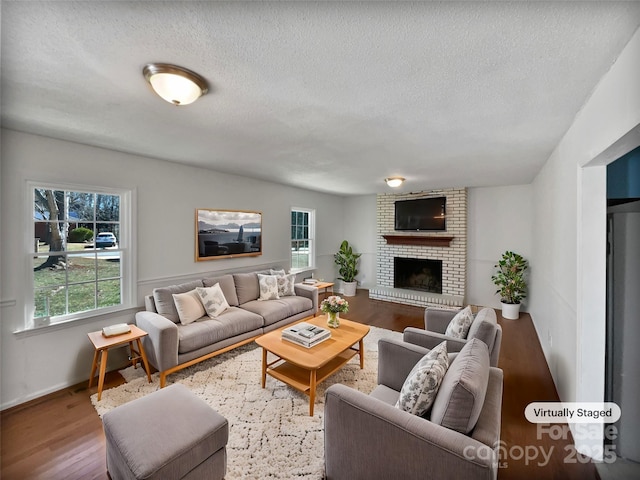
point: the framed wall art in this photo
(227, 233)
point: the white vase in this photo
(510, 310)
(349, 289)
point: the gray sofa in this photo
(366, 436)
(171, 346)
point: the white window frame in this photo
(311, 239)
(126, 248)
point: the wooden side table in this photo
(102, 344)
(325, 285)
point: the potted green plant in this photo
(347, 262)
(512, 287)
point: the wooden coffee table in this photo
(303, 368)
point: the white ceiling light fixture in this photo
(394, 182)
(174, 84)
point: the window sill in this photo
(73, 322)
(302, 270)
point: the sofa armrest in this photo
(436, 319)
(161, 345)
(495, 352)
(395, 361)
(430, 340)
(368, 438)
(309, 292)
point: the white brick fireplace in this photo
(449, 246)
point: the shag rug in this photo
(271, 434)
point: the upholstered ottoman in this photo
(169, 434)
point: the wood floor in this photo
(60, 436)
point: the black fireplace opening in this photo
(417, 274)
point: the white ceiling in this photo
(327, 96)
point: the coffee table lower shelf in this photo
(305, 380)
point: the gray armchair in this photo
(367, 437)
(485, 327)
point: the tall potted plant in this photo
(512, 287)
(347, 262)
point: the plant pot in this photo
(349, 289)
(510, 310)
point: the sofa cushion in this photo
(462, 392)
(163, 298)
(286, 282)
(227, 285)
(421, 385)
(484, 327)
(459, 325)
(213, 300)
(385, 394)
(268, 287)
(247, 287)
(189, 306)
(275, 310)
(234, 321)
(286, 285)
(296, 304)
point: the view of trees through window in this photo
(76, 257)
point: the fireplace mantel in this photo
(424, 240)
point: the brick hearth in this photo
(421, 245)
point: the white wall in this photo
(39, 362)
(360, 230)
(569, 283)
(498, 219)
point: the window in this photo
(81, 256)
(302, 239)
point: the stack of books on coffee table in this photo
(306, 334)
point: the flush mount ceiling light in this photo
(394, 181)
(175, 84)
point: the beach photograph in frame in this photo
(227, 233)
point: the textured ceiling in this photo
(327, 96)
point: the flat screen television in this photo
(427, 214)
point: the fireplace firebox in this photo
(417, 274)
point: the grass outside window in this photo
(91, 279)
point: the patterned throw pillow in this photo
(189, 306)
(268, 287)
(459, 325)
(213, 300)
(421, 386)
(277, 272)
(286, 285)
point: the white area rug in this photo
(271, 434)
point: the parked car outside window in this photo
(106, 239)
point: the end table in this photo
(102, 344)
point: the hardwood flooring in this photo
(60, 436)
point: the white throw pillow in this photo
(189, 306)
(459, 325)
(213, 300)
(268, 287)
(421, 386)
(286, 285)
